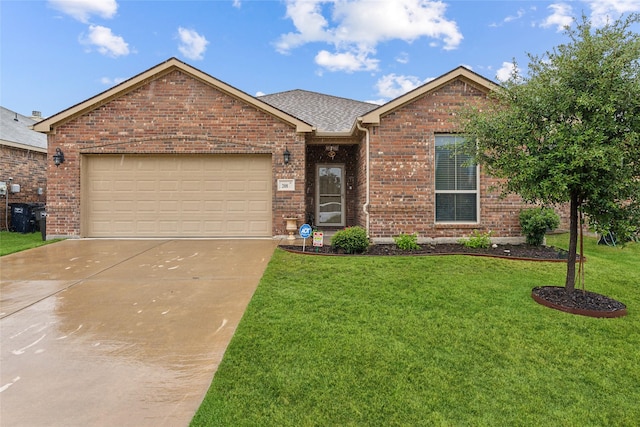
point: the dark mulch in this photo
(519, 251)
(579, 302)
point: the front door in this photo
(330, 195)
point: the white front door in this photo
(330, 195)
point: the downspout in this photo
(365, 207)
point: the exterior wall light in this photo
(287, 156)
(58, 158)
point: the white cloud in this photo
(519, 15)
(355, 28)
(237, 3)
(111, 81)
(603, 11)
(346, 61)
(504, 73)
(82, 10)
(259, 93)
(403, 58)
(560, 17)
(105, 41)
(393, 85)
(192, 45)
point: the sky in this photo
(57, 53)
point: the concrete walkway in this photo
(119, 332)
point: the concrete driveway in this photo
(119, 332)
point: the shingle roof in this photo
(327, 113)
(19, 131)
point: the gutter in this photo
(365, 207)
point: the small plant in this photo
(477, 240)
(536, 221)
(351, 240)
(407, 242)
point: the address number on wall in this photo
(286, 185)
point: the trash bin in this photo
(41, 220)
(23, 217)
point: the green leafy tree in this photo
(569, 130)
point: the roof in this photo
(373, 117)
(16, 130)
(327, 113)
(306, 111)
(156, 72)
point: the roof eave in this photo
(23, 146)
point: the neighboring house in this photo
(23, 161)
(174, 152)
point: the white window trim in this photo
(476, 192)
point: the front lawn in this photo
(435, 340)
(11, 242)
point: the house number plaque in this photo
(286, 185)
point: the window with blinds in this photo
(456, 182)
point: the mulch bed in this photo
(519, 251)
(580, 302)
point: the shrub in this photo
(351, 240)
(407, 242)
(536, 221)
(477, 240)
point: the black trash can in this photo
(23, 219)
(41, 220)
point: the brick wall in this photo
(172, 114)
(28, 169)
(402, 171)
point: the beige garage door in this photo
(176, 196)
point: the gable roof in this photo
(16, 131)
(327, 113)
(153, 73)
(482, 83)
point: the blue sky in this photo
(57, 53)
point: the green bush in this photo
(536, 221)
(407, 242)
(477, 240)
(351, 240)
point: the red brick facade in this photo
(402, 156)
(174, 114)
(28, 169)
(178, 111)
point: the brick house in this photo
(23, 160)
(174, 152)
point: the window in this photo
(456, 182)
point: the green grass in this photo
(16, 242)
(429, 341)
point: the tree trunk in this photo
(570, 283)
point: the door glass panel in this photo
(330, 196)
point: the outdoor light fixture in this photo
(287, 156)
(58, 158)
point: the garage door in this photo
(176, 196)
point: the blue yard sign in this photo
(305, 231)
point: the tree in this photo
(569, 131)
